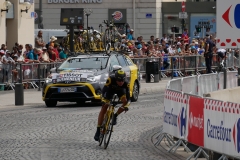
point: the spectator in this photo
(185, 36)
(36, 52)
(39, 41)
(44, 57)
(8, 62)
(16, 45)
(1, 59)
(29, 54)
(63, 54)
(164, 38)
(19, 56)
(56, 48)
(52, 41)
(51, 53)
(157, 41)
(209, 53)
(130, 35)
(4, 48)
(15, 50)
(20, 47)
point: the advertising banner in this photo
(196, 121)
(207, 23)
(174, 114)
(222, 127)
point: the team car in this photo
(80, 79)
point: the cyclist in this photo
(115, 84)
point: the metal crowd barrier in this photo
(202, 122)
(180, 66)
(171, 66)
(33, 74)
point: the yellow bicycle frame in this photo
(108, 114)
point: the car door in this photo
(134, 73)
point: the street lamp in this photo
(6, 6)
(26, 6)
(87, 12)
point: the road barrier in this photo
(210, 124)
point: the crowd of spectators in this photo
(179, 46)
(43, 52)
(164, 47)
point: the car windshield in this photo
(85, 63)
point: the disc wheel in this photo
(108, 132)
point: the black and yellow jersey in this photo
(111, 83)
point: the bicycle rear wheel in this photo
(108, 132)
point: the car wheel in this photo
(135, 92)
(51, 103)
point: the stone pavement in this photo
(34, 131)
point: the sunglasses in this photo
(120, 80)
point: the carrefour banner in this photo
(195, 129)
(174, 117)
(222, 127)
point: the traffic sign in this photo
(183, 15)
(183, 6)
(228, 23)
(34, 15)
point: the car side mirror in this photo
(116, 67)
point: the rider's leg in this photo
(103, 111)
(100, 120)
(121, 109)
(105, 100)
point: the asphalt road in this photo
(65, 132)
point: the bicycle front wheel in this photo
(108, 132)
(102, 131)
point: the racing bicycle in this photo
(107, 125)
(111, 36)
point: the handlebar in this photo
(114, 102)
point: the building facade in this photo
(144, 16)
(16, 25)
(200, 14)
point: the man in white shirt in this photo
(8, 64)
(19, 56)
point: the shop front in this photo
(200, 20)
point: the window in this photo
(121, 60)
(129, 61)
(113, 61)
(85, 63)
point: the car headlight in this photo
(91, 79)
(94, 78)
